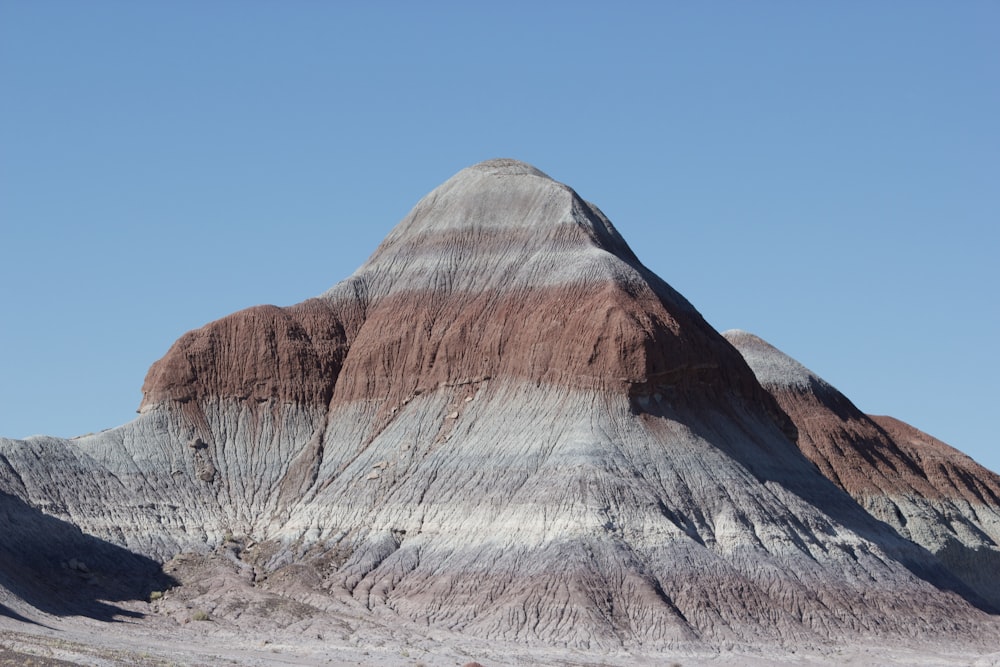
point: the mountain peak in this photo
(508, 167)
(773, 368)
(500, 271)
(500, 217)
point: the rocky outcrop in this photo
(929, 492)
(259, 355)
(502, 423)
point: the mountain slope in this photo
(931, 493)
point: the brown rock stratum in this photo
(503, 424)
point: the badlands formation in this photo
(501, 438)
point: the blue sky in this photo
(822, 174)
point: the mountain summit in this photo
(500, 271)
(504, 424)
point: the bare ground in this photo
(158, 641)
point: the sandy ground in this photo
(215, 617)
(56, 642)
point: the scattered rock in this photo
(206, 471)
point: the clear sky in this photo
(825, 175)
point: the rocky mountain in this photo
(927, 491)
(504, 424)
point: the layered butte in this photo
(503, 423)
(499, 272)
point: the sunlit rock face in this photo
(503, 423)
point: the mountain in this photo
(929, 492)
(501, 424)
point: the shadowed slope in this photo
(928, 491)
(53, 567)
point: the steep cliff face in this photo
(931, 493)
(501, 423)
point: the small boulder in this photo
(206, 471)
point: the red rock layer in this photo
(845, 444)
(848, 447)
(948, 470)
(259, 354)
(410, 343)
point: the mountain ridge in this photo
(931, 493)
